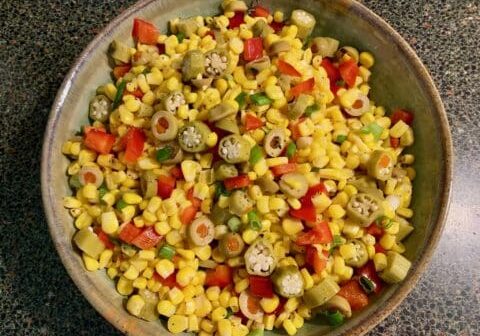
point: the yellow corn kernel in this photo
(307, 278)
(224, 298)
(105, 258)
(370, 251)
(140, 283)
(165, 268)
(135, 305)
(261, 167)
(241, 285)
(109, 222)
(162, 228)
(166, 308)
(175, 295)
(112, 272)
(289, 327)
(224, 327)
(170, 207)
(393, 228)
(405, 212)
(124, 286)
(291, 304)
(387, 241)
(292, 226)
(185, 275)
(297, 320)
(203, 253)
(380, 261)
(131, 273)
(335, 211)
(218, 314)
(90, 191)
(132, 198)
(271, 162)
(249, 235)
(90, 263)
(213, 293)
(263, 204)
(366, 59)
(269, 304)
(398, 129)
(83, 221)
(190, 169)
(347, 251)
(338, 265)
(71, 203)
(110, 90)
(321, 202)
(268, 321)
(177, 324)
(306, 127)
(349, 97)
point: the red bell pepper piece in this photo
(349, 71)
(121, 70)
(98, 140)
(211, 33)
(252, 122)
(261, 286)
(374, 230)
(237, 182)
(288, 69)
(128, 232)
(134, 141)
(379, 248)
(368, 271)
(147, 239)
(137, 93)
(221, 276)
(253, 48)
(188, 214)
(161, 48)
(353, 292)
(196, 202)
(332, 73)
(170, 281)
(405, 116)
(319, 234)
(176, 172)
(277, 26)
(295, 129)
(104, 238)
(236, 20)
(315, 260)
(303, 87)
(165, 186)
(306, 213)
(311, 193)
(260, 11)
(394, 142)
(144, 32)
(283, 169)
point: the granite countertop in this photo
(39, 41)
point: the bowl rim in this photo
(364, 325)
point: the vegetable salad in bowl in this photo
(236, 177)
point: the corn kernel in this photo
(218, 314)
(166, 308)
(292, 226)
(91, 264)
(175, 295)
(335, 211)
(269, 304)
(131, 273)
(109, 222)
(177, 324)
(307, 278)
(249, 235)
(289, 327)
(387, 241)
(185, 275)
(135, 305)
(398, 129)
(165, 268)
(241, 285)
(124, 286)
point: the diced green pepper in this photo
(310, 109)
(260, 99)
(340, 139)
(254, 221)
(119, 94)
(255, 154)
(291, 149)
(164, 154)
(166, 252)
(234, 224)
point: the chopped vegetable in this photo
(144, 32)
(260, 11)
(255, 154)
(405, 116)
(397, 268)
(319, 234)
(234, 149)
(321, 293)
(288, 69)
(252, 122)
(260, 286)
(334, 318)
(253, 48)
(231, 245)
(349, 72)
(364, 208)
(241, 99)
(260, 99)
(353, 292)
(260, 259)
(234, 224)
(304, 22)
(239, 203)
(254, 221)
(128, 232)
(89, 243)
(98, 140)
(221, 276)
(288, 281)
(147, 239)
(250, 306)
(236, 20)
(192, 136)
(275, 141)
(201, 231)
(284, 169)
(134, 142)
(165, 186)
(236, 182)
(294, 185)
(166, 252)
(304, 87)
(380, 165)
(99, 108)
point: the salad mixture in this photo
(236, 177)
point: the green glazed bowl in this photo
(399, 80)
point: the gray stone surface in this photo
(39, 40)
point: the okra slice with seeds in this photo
(360, 257)
(380, 165)
(288, 281)
(100, 107)
(260, 259)
(216, 63)
(234, 149)
(364, 208)
(192, 136)
(193, 65)
(173, 101)
(239, 203)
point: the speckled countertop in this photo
(39, 41)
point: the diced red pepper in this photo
(211, 33)
(121, 70)
(237, 182)
(170, 281)
(188, 214)
(137, 93)
(196, 202)
(311, 193)
(306, 213)
(349, 72)
(134, 142)
(128, 232)
(294, 128)
(260, 286)
(394, 142)
(221, 276)
(161, 48)
(277, 26)
(332, 73)
(303, 87)
(260, 11)
(98, 140)
(147, 239)
(288, 69)
(405, 116)
(316, 261)
(319, 234)
(379, 248)
(176, 172)
(252, 122)
(253, 49)
(144, 32)
(236, 20)
(374, 230)
(283, 169)
(104, 238)
(165, 186)
(368, 271)
(353, 292)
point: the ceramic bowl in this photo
(399, 80)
